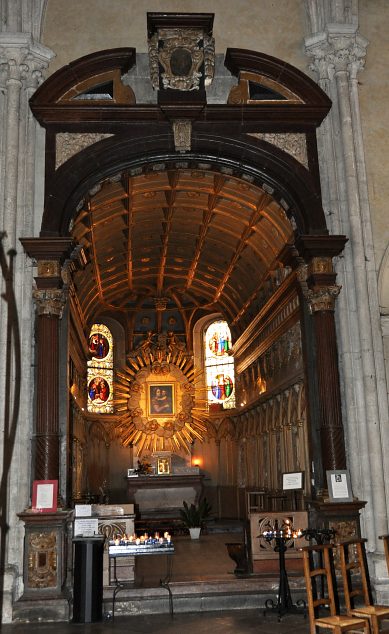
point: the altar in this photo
(163, 495)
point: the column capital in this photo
(22, 59)
(323, 298)
(340, 48)
(317, 282)
(50, 301)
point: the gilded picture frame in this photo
(161, 399)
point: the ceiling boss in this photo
(155, 397)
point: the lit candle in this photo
(137, 541)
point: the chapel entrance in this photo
(165, 219)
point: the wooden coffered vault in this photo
(197, 238)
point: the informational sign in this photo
(86, 527)
(83, 510)
(339, 488)
(44, 496)
(292, 481)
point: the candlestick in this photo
(280, 536)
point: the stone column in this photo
(338, 52)
(22, 64)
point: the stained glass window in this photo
(219, 365)
(100, 370)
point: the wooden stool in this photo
(255, 501)
(356, 583)
(328, 598)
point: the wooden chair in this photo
(356, 584)
(315, 572)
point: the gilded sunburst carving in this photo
(155, 397)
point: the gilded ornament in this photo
(49, 268)
(161, 431)
(320, 265)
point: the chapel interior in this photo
(193, 312)
(190, 260)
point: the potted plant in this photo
(194, 516)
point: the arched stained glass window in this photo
(100, 370)
(219, 365)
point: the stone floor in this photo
(223, 622)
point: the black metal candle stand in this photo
(284, 604)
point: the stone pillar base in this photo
(9, 585)
(41, 610)
(45, 564)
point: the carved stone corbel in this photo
(182, 130)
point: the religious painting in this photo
(98, 389)
(98, 345)
(218, 339)
(100, 370)
(219, 365)
(222, 386)
(163, 466)
(161, 399)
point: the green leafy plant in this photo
(195, 515)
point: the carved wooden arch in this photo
(99, 431)
(227, 429)
(144, 133)
(80, 74)
(282, 74)
(247, 158)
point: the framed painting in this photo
(161, 399)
